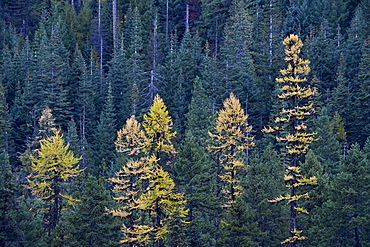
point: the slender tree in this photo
(195, 173)
(104, 137)
(295, 95)
(126, 184)
(362, 101)
(9, 208)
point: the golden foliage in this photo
(53, 165)
(296, 237)
(143, 187)
(158, 128)
(233, 138)
(130, 139)
(294, 90)
(158, 200)
(297, 96)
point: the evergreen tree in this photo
(88, 101)
(365, 6)
(83, 27)
(351, 202)
(200, 113)
(76, 74)
(318, 195)
(135, 56)
(342, 98)
(209, 77)
(264, 180)
(55, 91)
(344, 216)
(23, 114)
(238, 72)
(104, 156)
(13, 71)
(323, 52)
(265, 50)
(196, 178)
(337, 125)
(72, 138)
(292, 24)
(353, 52)
(7, 74)
(121, 89)
(326, 147)
(194, 173)
(4, 122)
(9, 208)
(362, 113)
(238, 228)
(53, 166)
(88, 223)
(212, 22)
(57, 21)
(297, 94)
(180, 81)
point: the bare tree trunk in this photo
(187, 17)
(155, 42)
(271, 30)
(100, 47)
(83, 137)
(167, 24)
(114, 6)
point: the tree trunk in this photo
(114, 10)
(293, 205)
(167, 24)
(100, 48)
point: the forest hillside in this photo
(174, 123)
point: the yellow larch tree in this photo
(130, 139)
(144, 190)
(158, 127)
(233, 139)
(52, 166)
(297, 96)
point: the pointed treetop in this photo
(158, 127)
(130, 138)
(232, 112)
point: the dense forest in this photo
(174, 123)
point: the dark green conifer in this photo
(9, 205)
(327, 147)
(362, 109)
(88, 224)
(343, 218)
(105, 134)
